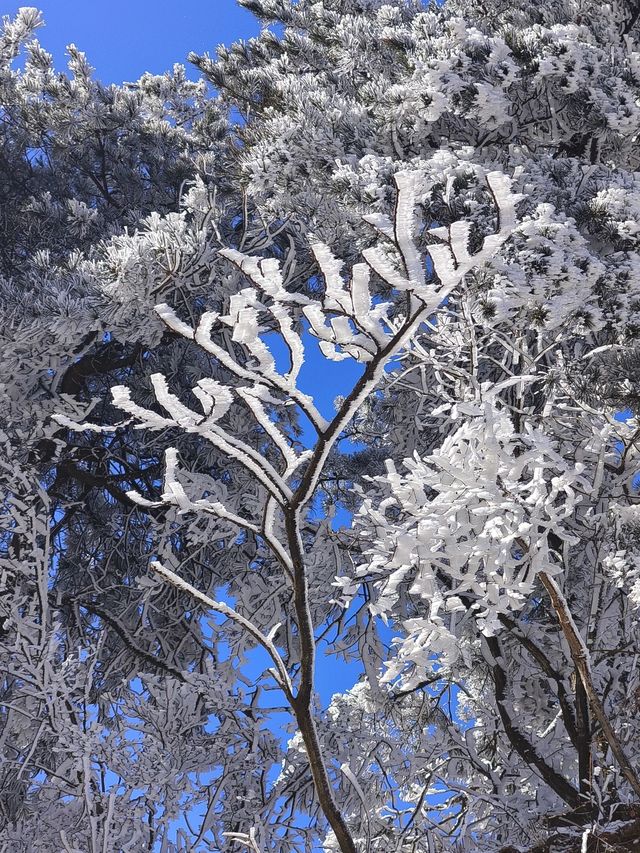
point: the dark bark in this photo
(101, 362)
(303, 699)
(564, 789)
(579, 656)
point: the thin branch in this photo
(582, 662)
(282, 676)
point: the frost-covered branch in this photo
(349, 324)
(281, 675)
(582, 660)
(490, 441)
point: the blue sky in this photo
(125, 38)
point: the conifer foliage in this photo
(445, 200)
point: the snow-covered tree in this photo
(446, 195)
(81, 163)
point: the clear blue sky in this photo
(125, 38)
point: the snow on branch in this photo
(451, 258)
(345, 318)
(280, 673)
(350, 321)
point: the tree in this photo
(500, 540)
(81, 163)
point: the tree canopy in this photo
(448, 198)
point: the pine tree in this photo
(447, 196)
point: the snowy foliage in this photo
(443, 199)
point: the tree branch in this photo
(525, 750)
(581, 659)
